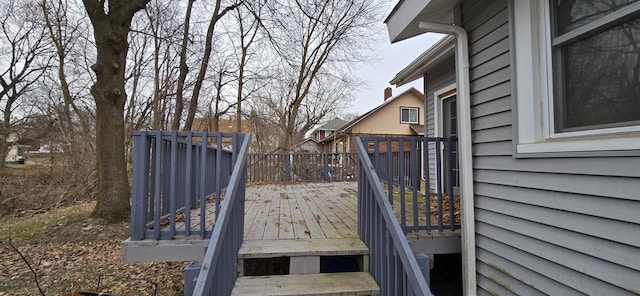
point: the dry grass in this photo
(42, 184)
(46, 207)
(70, 251)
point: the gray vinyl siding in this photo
(544, 226)
(442, 76)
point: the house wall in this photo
(386, 121)
(442, 75)
(329, 145)
(557, 226)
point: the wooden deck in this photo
(301, 211)
(305, 211)
(272, 212)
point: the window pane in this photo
(413, 115)
(599, 83)
(404, 115)
(571, 14)
(408, 115)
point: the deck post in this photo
(287, 167)
(138, 186)
(325, 174)
(423, 262)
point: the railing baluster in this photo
(389, 171)
(138, 188)
(287, 168)
(415, 181)
(439, 174)
(385, 237)
(427, 191)
(172, 184)
(401, 183)
(226, 237)
(202, 194)
(450, 181)
(157, 184)
(218, 174)
(187, 188)
(174, 174)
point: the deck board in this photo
(291, 211)
(314, 228)
(252, 206)
(329, 215)
(273, 216)
(345, 208)
(285, 230)
(352, 283)
(298, 224)
(301, 211)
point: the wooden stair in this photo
(306, 268)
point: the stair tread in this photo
(349, 283)
(311, 247)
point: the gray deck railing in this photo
(420, 175)
(302, 167)
(218, 272)
(392, 263)
(174, 173)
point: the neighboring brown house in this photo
(225, 125)
(400, 115)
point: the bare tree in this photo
(316, 41)
(64, 35)
(183, 68)
(111, 22)
(218, 13)
(247, 17)
(164, 32)
(25, 55)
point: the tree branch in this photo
(35, 274)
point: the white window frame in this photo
(534, 92)
(438, 122)
(409, 121)
(439, 96)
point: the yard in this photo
(67, 250)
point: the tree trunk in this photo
(110, 33)
(204, 64)
(113, 185)
(175, 125)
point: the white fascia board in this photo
(402, 22)
(442, 49)
(402, 16)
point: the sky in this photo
(392, 59)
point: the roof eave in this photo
(402, 22)
(440, 51)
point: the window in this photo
(596, 55)
(408, 115)
(584, 94)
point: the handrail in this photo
(174, 173)
(392, 263)
(218, 272)
(420, 176)
(302, 167)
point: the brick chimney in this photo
(388, 93)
